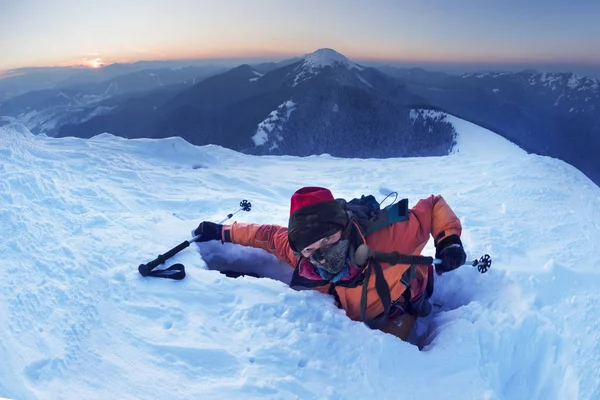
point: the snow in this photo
(568, 82)
(547, 79)
(363, 80)
(583, 83)
(100, 110)
(31, 118)
(422, 113)
(262, 134)
(155, 77)
(273, 124)
(258, 76)
(327, 57)
(313, 63)
(558, 99)
(560, 80)
(77, 321)
(575, 81)
(113, 87)
(472, 139)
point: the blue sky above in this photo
(68, 32)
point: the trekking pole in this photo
(177, 271)
(364, 253)
(245, 205)
(483, 264)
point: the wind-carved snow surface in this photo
(270, 129)
(314, 62)
(77, 321)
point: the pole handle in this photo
(177, 271)
(145, 269)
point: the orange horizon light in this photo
(93, 63)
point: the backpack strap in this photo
(397, 212)
(383, 291)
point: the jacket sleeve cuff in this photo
(226, 234)
(448, 237)
(449, 240)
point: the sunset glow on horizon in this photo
(94, 63)
(98, 33)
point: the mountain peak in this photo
(325, 57)
(312, 63)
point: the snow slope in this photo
(77, 321)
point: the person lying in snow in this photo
(320, 243)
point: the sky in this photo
(93, 33)
(77, 320)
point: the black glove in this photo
(451, 252)
(208, 231)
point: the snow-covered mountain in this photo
(314, 63)
(554, 114)
(339, 108)
(77, 321)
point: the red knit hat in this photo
(307, 196)
(314, 214)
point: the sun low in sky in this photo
(93, 63)
(95, 33)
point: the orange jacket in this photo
(429, 217)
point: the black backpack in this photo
(370, 216)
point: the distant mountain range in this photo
(45, 111)
(320, 103)
(325, 103)
(23, 80)
(554, 114)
